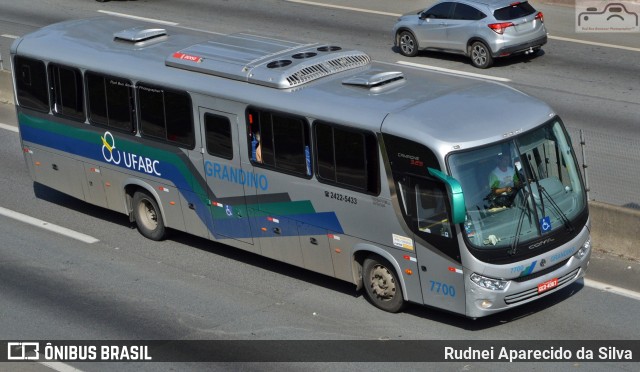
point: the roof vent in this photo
(139, 34)
(326, 67)
(304, 55)
(376, 81)
(329, 48)
(279, 63)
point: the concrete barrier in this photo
(615, 230)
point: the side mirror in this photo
(423, 16)
(458, 208)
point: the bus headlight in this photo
(489, 283)
(584, 249)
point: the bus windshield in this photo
(520, 189)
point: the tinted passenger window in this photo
(467, 13)
(67, 94)
(279, 141)
(517, 10)
(166, 115)
(440, 11)
(110, 102)
(31, 84)
(218, 135)
(346, 157)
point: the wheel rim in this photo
(383, 284)
(148, 215)
(406, 44)
(479, 55)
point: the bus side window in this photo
(279, 141)
(166, 114)
(425, 208)
(110, 102)
(218, 136)
(347, 157)
(67, 95)
(431, 211)
(31, 84)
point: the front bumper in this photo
(522, 292)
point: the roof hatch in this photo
(139, 34)
(266, 61)
(375, 80)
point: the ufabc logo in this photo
(132, 161)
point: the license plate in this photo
(549, 284)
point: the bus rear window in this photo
(31, 84)
(516, 10)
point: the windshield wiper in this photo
(525, 201)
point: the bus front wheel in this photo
(382, 285)
(147, 215)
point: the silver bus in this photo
(311, 154)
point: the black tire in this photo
(382, 285)
(480, 55)
(408, 44)
(148, 217)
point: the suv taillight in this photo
(500, 27)
(540, 16)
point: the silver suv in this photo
(480, 29)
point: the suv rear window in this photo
(515, 10)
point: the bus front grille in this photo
(533, 292)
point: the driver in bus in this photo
(503, 181)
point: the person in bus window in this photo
(256, 150)
(503, 181)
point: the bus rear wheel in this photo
(382, 285)
(147, 215)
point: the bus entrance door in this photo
(225, 177)
(436, 243)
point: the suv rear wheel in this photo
(408, 44)
(480, 55)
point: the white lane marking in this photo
(139, 18)
(9, 36)
(312, 3)
(455, 72)
(60, 367)
(9, 127)
(343, 7)
(48, 226)
(594, 43)
(613, 289)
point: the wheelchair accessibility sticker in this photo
(545, 224)
(602, 16)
